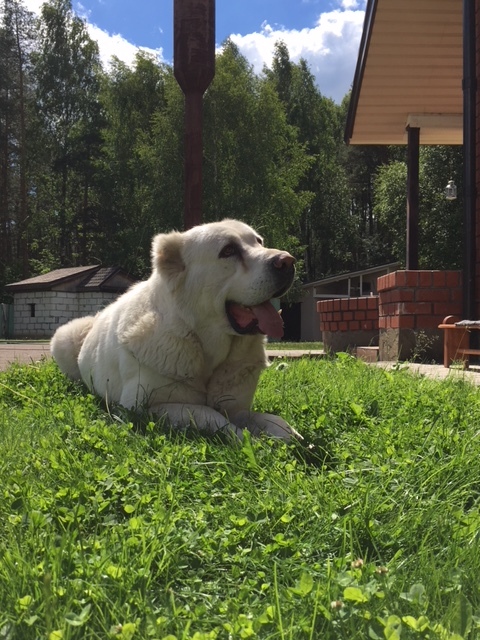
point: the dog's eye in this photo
(259, 240)
(229, 250)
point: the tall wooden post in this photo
(470, 151)
(194, 68)
(413, 155)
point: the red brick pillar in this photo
(411, 306)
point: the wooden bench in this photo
(456, 340)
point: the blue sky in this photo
(324, 32)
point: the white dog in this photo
(188, 343)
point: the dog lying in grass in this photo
(189, 342)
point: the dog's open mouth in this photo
(260, 318)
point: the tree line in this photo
(91, 160)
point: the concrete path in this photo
(28, 352)
(22, 352)
(294, 353)
(437, 371)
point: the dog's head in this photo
(222, 273)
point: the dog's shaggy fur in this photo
(188, 343)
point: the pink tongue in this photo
(269, 320)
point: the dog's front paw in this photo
(265, 424)
(184, 416)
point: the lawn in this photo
(113, 528)
(302, 346)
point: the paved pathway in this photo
(437, 371)
(294, 353)
(26, 352)
(22, 352)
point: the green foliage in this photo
(325, 228)
(16, 38)
(141, 164)
(373, 238)
(439, 219)
(66, 73)
(391, 205)
(254, 161)
(368, 529)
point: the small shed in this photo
(345, 285)
(43, 303)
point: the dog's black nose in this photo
(283, 261)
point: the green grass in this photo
(117, 529)
(24, 341)
(303, 346)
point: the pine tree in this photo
(15, 109)
(67, 71)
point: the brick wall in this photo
(411, 306)
(348, 322)
(403, 319)
(52, 309)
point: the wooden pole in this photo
(470, 150)
(413, 155)
(194, 68)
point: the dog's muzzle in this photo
(283, 267)
(263, 317)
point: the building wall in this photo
(52, 309)
(310, 328)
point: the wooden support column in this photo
(470, 150)
(413, 154)
(194, 68)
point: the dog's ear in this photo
(167, 253)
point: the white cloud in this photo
(349, 4)
(330, 47)
(109, 44)
(115, 45)
(34, 5)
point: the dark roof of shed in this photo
(46, 281)
(100, 277)
(94, 278)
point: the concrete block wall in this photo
(90, 303)
(52, 309)
(347, 323)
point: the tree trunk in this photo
(23, 201)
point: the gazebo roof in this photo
(409, 72)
